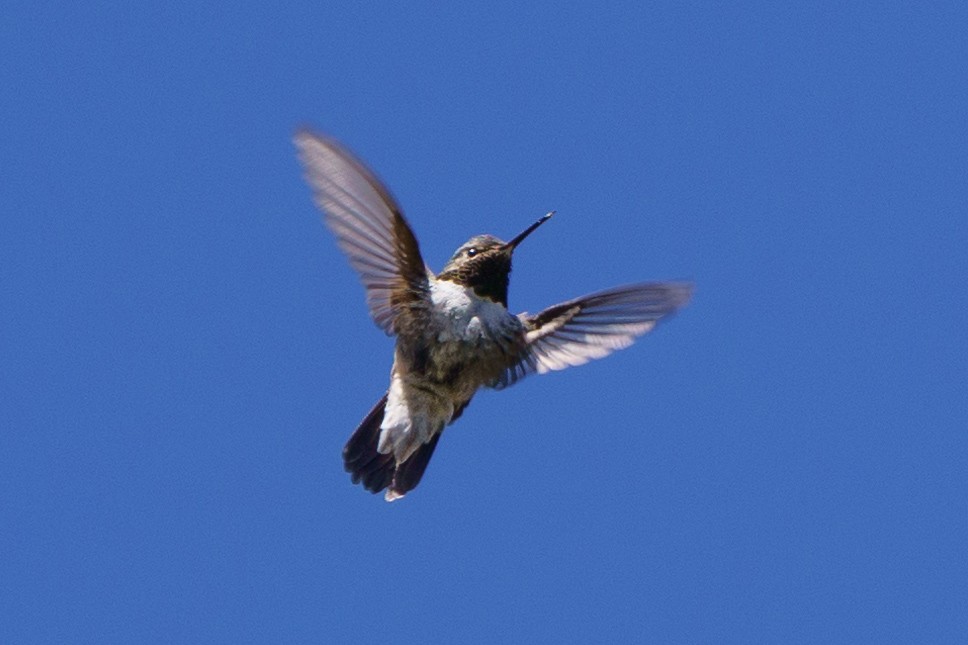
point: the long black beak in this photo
(528, 231)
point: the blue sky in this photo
(184, 350)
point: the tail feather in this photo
(409, 473)
(361, 458)
(378, 471)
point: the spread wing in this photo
(369, 227)
(593, 326)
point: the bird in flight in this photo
(454, 333)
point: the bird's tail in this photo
(378, 471)
(362, 460)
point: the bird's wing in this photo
(369, 227)
(593, 326)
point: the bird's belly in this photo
(465, 343)
(472, 355)
(465, 365)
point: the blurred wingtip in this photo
(685, 289)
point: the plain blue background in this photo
(184, 350)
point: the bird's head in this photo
(484, 263)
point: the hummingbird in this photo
(454, 333)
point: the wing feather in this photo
(593, 326)
(369, 227)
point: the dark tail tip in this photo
(362, 460)
(409, 473)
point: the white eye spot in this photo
(471, 252)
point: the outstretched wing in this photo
(369, 227)
(593, 326)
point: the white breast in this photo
(465, 317)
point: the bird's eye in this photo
(471, 252)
